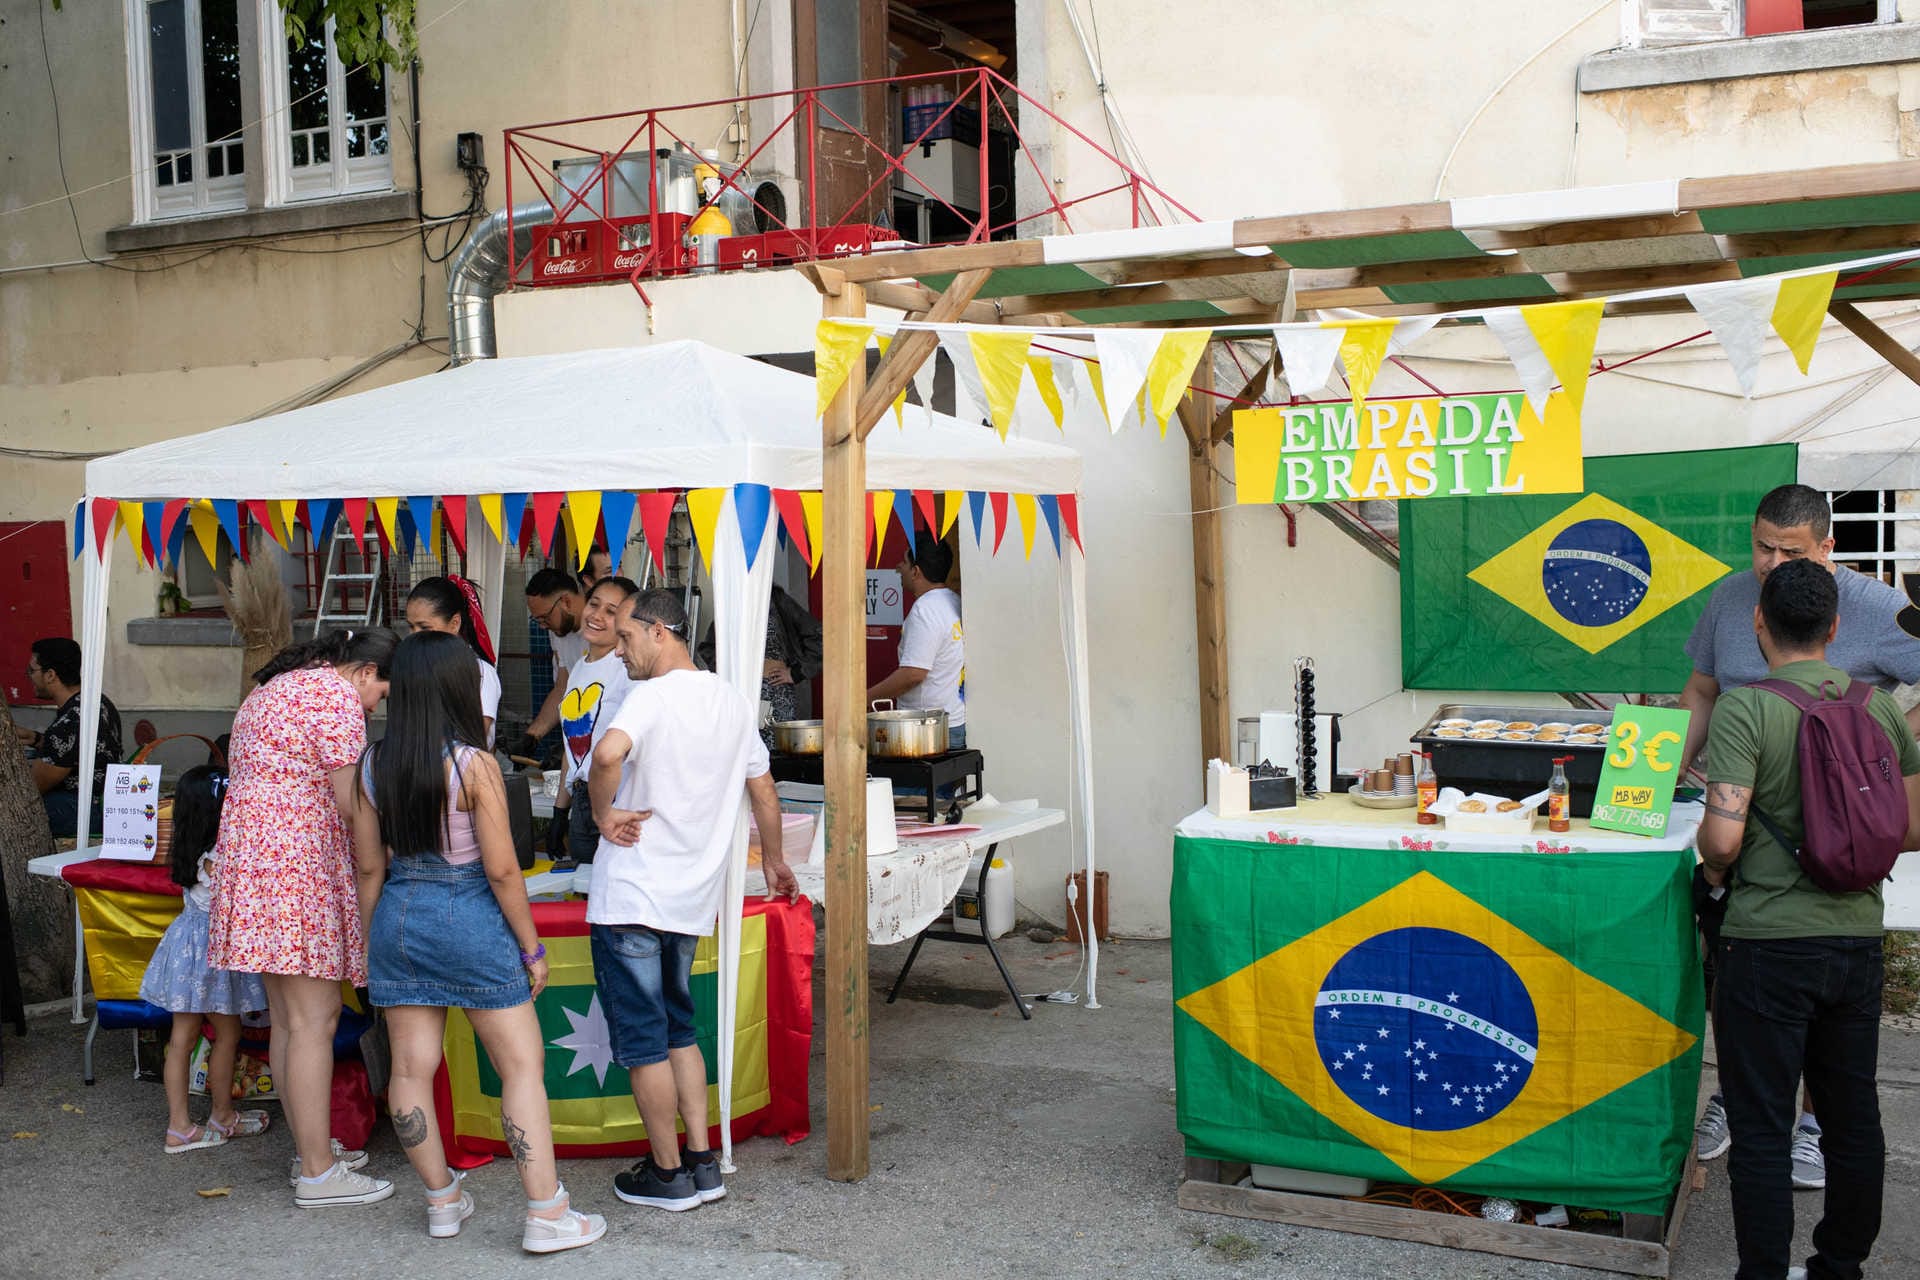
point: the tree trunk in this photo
(42, 917)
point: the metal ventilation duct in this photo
(479, 271)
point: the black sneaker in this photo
(706, 1174)
(646, 1183)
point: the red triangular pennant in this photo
(1070, 516)
(546, 514)
(923, 499)
(354, 512)
(104, 511)
(257, 508)
(793, 517)
(169, 518)
(454, 507)
(999, 503)
(656, 512)
(303, 516)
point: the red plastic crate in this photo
(567, 253)
(628, 239)
(742, 252)
(787, 245)
(854, 238)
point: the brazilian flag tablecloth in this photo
(590, 1100)
(1496, 1023)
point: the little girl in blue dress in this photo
(179, 981)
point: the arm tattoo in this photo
(411, 1128)
(1724, 800)
(516, 1139)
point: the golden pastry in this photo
(1516, 735)
(1583, 740)
(1456, 722)
(1449, 733)
(1483, 733)
(1489, 724)
(1545, 736)
(1522, 726)
(1473, 806)
(1590, 728)
(1556, 726)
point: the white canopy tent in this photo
(676, 415)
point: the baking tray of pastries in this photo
(1463, 723)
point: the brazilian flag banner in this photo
(1491, 1023)
(1596, 591)
(590, 1100)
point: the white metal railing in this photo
(1894, 547)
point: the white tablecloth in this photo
(1337, 822)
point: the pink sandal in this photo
(196, 1138)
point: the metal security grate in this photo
(1877, 531)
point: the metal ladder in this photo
(339, 582)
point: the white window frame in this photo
(1888, 560)
(287, 183)
(1633, 27)
(151, 201)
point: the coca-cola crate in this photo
(742, 252)
(568, 252)
(786, 245)
(853, 238)
(629, 239)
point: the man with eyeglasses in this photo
(554, 601)
(54, 670)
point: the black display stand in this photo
(962, 773)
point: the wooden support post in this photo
(1209, 566)
(913, 348)
(844, 690)
(1884, 344)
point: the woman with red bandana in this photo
(452, 604)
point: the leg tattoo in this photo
(411, 1128)
(516, 1139)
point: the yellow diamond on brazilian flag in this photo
(1433, 1030)
(1597, 572)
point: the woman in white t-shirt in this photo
(597, 683)
(452, 604)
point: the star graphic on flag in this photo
(1453, 997)
(1334, 1014)
(1338, 1064)
(1383, 1091)
(589, 1040)
(1421, 1076)
(1419, 1044)
(1456, 1099)
(1384, 1033)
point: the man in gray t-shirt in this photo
(1793, 523)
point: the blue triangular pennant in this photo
(752, 503)
(1050, 508)
(79, 527)
(513, 506)
(322, 512)
(228, 512)
(903, 512)
(616, 510)
(977, 503)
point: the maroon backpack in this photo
(1853, 801)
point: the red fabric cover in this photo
(122, 877)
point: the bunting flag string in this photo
(546, 519)
(321, 513)
(836, 345)
(616, 513)
(1171, 370)
(228, 512)
(950, 510)
(812, 508)
(703, 509)
(656, 514)
(1567, 333)
(513, 510)
(1024, 504)
(1124, 357)
(903, 513)
(998, 501)
(978, 502)
(923, 502)
(881, 501)
(132, 522)
(1363, 349)
(354, 512)
(793, 518)
(287, 512)
(1000, 363)
(153, 525)
(455, 507)
(583, 522)
(1070, 517)
(490, 512)
(752, 504)
(386, 520)
(420, 515)
(206, 530)
(1050, 511)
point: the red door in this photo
(33, 598)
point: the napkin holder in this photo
(1227, 790)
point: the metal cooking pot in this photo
(800, 737)
(905, 735)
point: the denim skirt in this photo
(438, 938)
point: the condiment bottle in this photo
(1427, 787)
(1560, 797)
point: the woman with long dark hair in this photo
(452, 604)
(285, 904)
(448, 926)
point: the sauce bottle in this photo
(1427, 788)
(1560, 797)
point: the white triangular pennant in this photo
(1124, 356)
(1529, 362)
(969, 398)
(1306, 356)
(923, 384)
(1409, 331)
(1740, 314)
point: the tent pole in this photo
(1209, 567)
(844, 686)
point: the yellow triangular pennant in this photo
(1799, 311)
(703, 510)
(1566, 332)
(950, 512)
(810, 509)
(1029, 511)
(1099, 386)
(206, 530)
(900, 401)
(133, 520)
(1001, 358)
(1363, 348)
(491, 513)
(836, 345)
(387, 511)
(286, 513)
(1043, 381)
(1172, 369)
(583, 519)
(882, 504)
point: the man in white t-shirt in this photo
(666, 784)
(932, 675)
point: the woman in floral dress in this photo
(285, 906)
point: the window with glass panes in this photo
(193, 114)
(333, 135)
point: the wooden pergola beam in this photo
(1209, 567)
(1883, 344)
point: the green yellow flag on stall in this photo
(1592, 591)
(1440, 1021)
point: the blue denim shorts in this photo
(438, 939)
(645, 977)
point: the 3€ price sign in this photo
(1641, 766)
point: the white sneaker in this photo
(1809, 1165)
(571, 1230)
(341, 1186)
(444, 1219)
(342, 1154)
